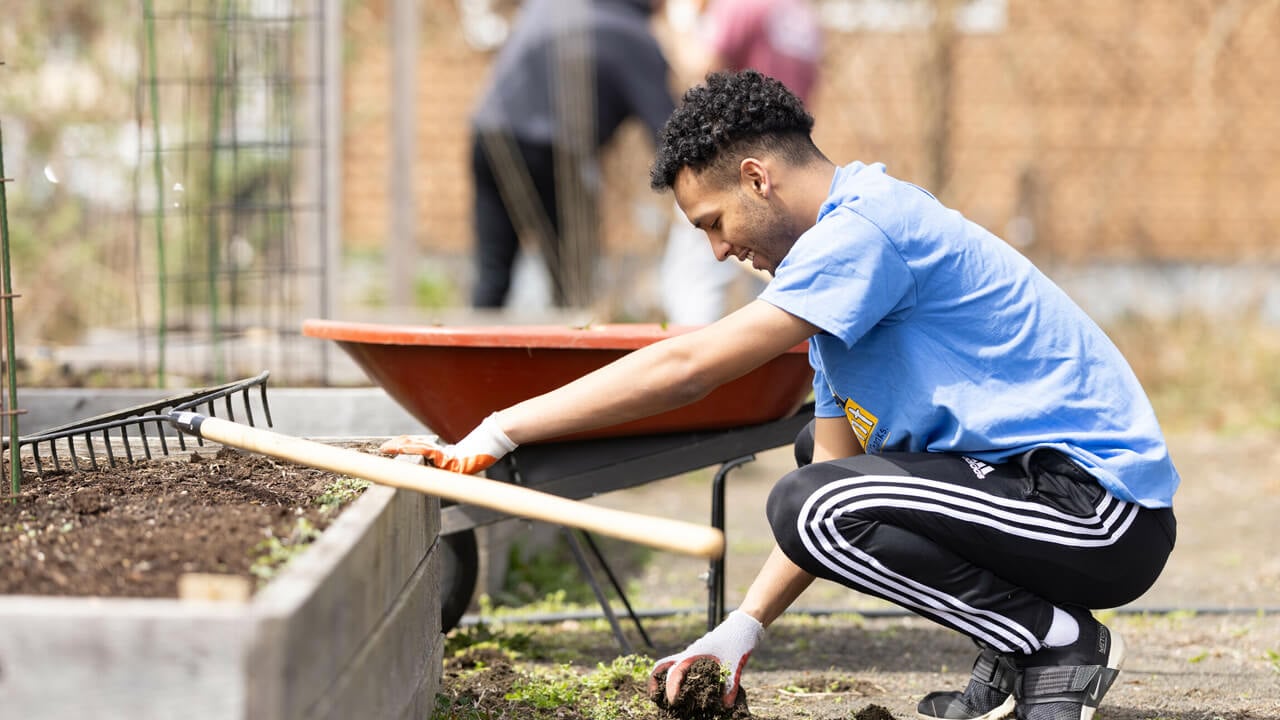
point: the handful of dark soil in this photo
(701, 696)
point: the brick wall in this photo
(1111, 130)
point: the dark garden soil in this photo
(133, 529)
(701, 696)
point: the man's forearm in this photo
(659, 377)
(650, 380)
(776, 586)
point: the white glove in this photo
(730, 644)
(481, 448)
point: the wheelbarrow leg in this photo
(715, 573)
(605, 607)
(617, 588)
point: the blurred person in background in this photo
(571, 72)
(779, 38)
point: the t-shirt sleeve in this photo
(824, 402)
(843, 275)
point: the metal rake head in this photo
(96, 432)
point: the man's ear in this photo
(754, 177)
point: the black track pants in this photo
(987, 550)
(497, 240)
(533, 176)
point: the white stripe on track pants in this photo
(987, 550)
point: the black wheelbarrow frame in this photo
(587, 468)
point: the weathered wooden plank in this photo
(326, 604)
(385, 677)
(78, 658)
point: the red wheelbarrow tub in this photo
(450, 378)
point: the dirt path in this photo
(1179, 666)
(1222, 662)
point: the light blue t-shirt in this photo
(937, 336)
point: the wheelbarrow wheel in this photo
(461, 560)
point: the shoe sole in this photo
(1000, 712)
(1005, 710)
(1115, 658)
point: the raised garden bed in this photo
(91, 624)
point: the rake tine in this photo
(231, 413)
(266, 409)
(35, 453)
(146, 440)
(164, 444)
(71, 449)
(93, 456)
(106, 439)
(128, 446)
(162, 424)
(248, 407)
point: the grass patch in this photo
(500, 671)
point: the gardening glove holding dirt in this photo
(729, 644)
(480, 449)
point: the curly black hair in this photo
(731, 113)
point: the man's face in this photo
(739, 220)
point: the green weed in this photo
(340, 492)
(274, 553)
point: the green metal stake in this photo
(15, 467)
(148, 13)
(220, 50)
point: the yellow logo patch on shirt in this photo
(862, 422)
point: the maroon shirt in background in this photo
(779, 38)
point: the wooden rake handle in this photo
(657, 532)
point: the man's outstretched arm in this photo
(661, 376)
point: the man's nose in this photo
(721, 249)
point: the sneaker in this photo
(1067, 683)
(988, 696)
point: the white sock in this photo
(1064, 629)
